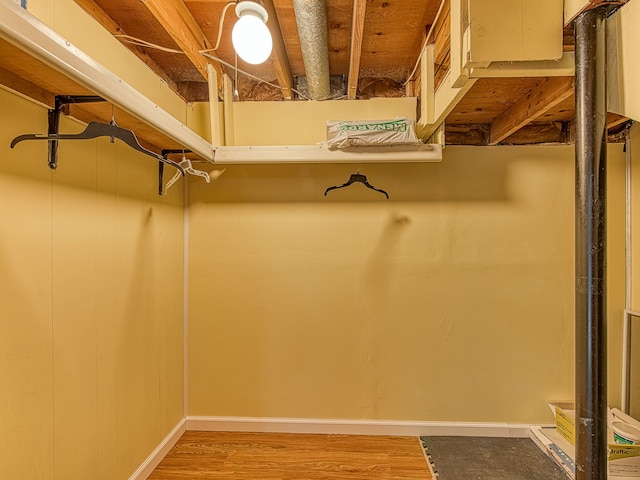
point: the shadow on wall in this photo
(468, 178)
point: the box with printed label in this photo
(565, 414)
(623, 451)
(623, 438)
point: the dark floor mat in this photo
(482, 458)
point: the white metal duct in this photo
(311, 17)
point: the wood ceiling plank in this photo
(545, 96)
(442, 34)
(289, 31)
(488, 98)
(357, 30)
(438, 35)
(393, 36)
(109, 24)
(562, 112)
(136, 20)
(93, 9)
(613, 120)
(339, 21)
(279, 56)
(177, 20)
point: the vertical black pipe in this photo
(591, 157)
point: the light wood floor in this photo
(268, 456)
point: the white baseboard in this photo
(159, 453)
(356, 427)
(340, 427)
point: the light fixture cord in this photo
(239, 70)
(143, 43)
(424, 47)
(224, 12)
(235, 70)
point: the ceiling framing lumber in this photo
(549, 93)
(114, 29)
(532, 134)
(613, 120)
(540, 133)
(20, 85)
(41, 56)
(279, 57)
(177, 20)
(357, 31)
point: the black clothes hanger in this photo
(357, 178)
(95, 130)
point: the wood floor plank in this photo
(368, 443)
(311, 462)
(265, 456)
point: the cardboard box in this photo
(565, 414)
(623, 460)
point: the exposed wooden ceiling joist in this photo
(381, 49)
(534, 133)
(93, 9)
(613, 120)
(542, 98)
(279, 56)
(177, 20)
(24, 87)
(357, 29)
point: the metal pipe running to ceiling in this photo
(590, 246)
(311, 17)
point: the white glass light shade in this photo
(251, 37)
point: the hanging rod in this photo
(93, 130)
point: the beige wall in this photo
(304, 123)
(635, 217)
(624, 69)
(91, 337)
(616, 268)
(452, 301)
(572, 8)
(635, 272)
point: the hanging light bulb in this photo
(251, 37)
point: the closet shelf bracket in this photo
(62, 101)
(93, 130)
